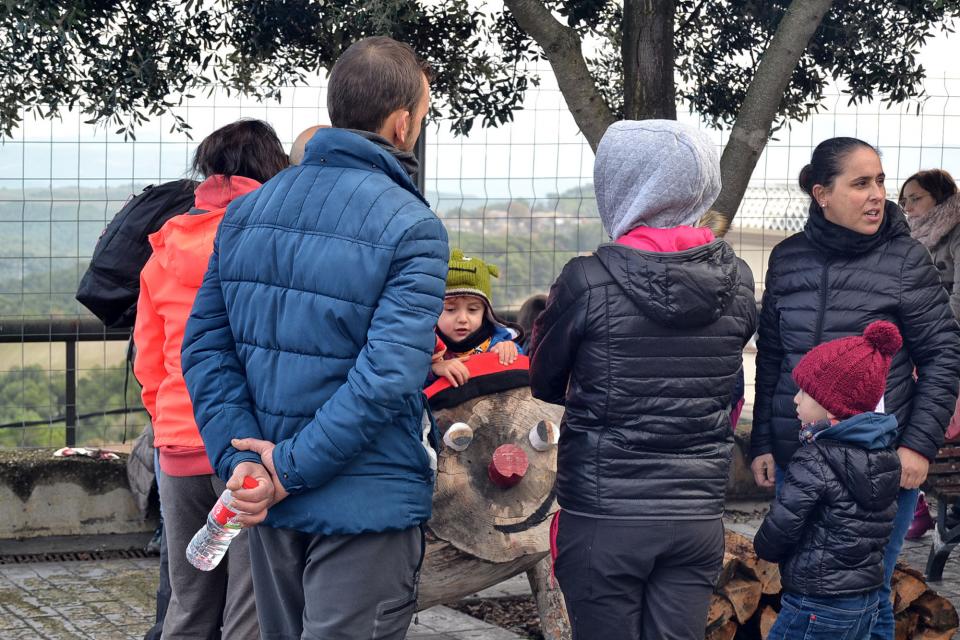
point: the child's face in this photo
(461, 316)
(808, 409)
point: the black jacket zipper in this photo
(818, 336)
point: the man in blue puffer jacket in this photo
(306, 352)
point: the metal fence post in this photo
(71, 393)
(420, 151)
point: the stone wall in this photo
(45, 496)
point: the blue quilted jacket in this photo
(314, 329)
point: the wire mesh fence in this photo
(520, 196)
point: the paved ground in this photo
(114, 599)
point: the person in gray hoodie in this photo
(642, 343)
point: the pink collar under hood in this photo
(666, 240)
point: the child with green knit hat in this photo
(468, 324)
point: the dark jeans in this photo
(906, 504)
(825, 618)
(779, 473)
(633, 579)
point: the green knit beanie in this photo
(470, 277)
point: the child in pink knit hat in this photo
(833, 514)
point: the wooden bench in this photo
(943, 482)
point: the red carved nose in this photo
(507, 466)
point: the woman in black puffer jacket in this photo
(642, 343)
(855, 263)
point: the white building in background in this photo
(774, 206)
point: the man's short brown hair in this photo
(373, 78)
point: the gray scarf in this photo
(932, 226)
(406, 159)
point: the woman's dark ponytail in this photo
(804, 180)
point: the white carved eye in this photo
(544, 436)
(459, 436)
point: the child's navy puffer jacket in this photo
(834, 513)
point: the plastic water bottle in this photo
(210, 543)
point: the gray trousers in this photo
(200, 601)
(633, 580)
(348, 587)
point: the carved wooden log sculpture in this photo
(494, 497)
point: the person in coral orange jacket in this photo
(234, 160)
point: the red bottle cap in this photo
(249, 482)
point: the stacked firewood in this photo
(919, 611)
(747, 598)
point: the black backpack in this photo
(111, 285)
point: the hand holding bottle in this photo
(251, 503)
(265, 450)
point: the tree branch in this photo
(752, 128)
(694, 15)
(562, 48)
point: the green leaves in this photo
(124, 62)
(120, 62)
(868, 47)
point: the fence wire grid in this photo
(519, 196)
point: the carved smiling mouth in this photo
(533, 519)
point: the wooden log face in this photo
(496, 522)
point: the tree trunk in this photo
(648, 60)
(648, 57)
(562, 47)
(752, 128)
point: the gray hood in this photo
(655, 173)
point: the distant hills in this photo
(47, 236)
